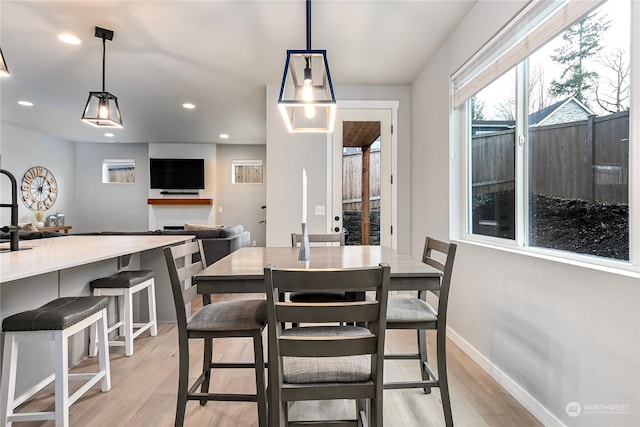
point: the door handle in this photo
(337, 229)
(336, 218)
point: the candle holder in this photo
(305, 252)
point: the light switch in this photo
(219, 208)
(319, 210)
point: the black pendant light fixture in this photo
(102, 108)
(4, 70)
(306, 100)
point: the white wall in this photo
(241, 203)
(551, 333)
(110, 207)
(21, 149)
(288, 154)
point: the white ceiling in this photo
(217, 54)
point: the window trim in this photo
(253, 162)
(460, 143)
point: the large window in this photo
(546, 124)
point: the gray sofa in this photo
(216, 243)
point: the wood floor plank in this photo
(144, 390)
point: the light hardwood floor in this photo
(144, 390)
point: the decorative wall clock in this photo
(39, 188)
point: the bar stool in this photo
(123, 285)
(55, 321)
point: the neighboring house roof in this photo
(564, 111)
(567, 110)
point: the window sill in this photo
(585, 261)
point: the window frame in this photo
(241, 163)
(526, 33)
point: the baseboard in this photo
(541, 413)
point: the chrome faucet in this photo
(13, 228)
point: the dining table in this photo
(242, 271)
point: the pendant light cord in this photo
(308, 24)
(103, 61)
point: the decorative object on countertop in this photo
(51, 221)
(39, 215)
(59, 219)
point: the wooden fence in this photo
(586, 160)
(352, 180)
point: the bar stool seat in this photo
(123, 285)
(55, 321)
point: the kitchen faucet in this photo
(13, 228)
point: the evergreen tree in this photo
(581, 41)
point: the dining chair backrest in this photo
(182, 268)
(324, 340)
(296, 239)
(433, 248)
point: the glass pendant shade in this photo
(306, 100)
(4, 70)
(102, 110)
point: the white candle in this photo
(304, 196)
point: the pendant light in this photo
(306, 100)
(102, 108)
(4, 70)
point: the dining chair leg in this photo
(443, 381)
(206, 368)
(261, 391)
(422, 349)
(361, 411)
(183, 384)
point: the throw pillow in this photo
(188, 226)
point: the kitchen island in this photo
(46, 269)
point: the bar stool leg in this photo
(62, 379)
(8, 391)
(151, 297)
(103, 360)
(93, 338)
(128, 322)
(122, 306)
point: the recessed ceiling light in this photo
(188, 106)
(110, 135)
(26, 103)
(224, 136)
(69, 38)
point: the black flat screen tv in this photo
(176, 174)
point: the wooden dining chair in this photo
(325, 361)
(321, 295)
(414, 312)
(228, 319)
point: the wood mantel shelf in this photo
(179, 201)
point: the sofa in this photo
(216, 242)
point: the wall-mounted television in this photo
(176, 174)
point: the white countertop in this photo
(58, 253)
